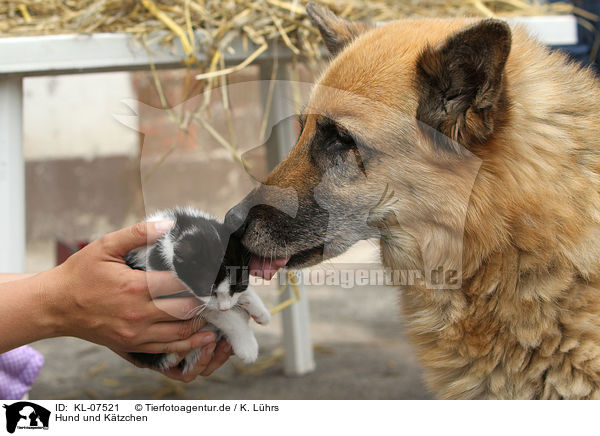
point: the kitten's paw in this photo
(247, 350)
(262, 317)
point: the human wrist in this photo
(24, 314)
(52, 302)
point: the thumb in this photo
(122, 241)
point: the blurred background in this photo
(89, 172)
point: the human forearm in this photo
(23, 314)
(95, 296)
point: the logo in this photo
(26, 415)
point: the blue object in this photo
(582, 51)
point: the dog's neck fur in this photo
(532, 231)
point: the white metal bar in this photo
(12, 176)
(550, 29)
(63, 54)
(297, 342)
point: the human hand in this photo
(95, 296)
(212, 358)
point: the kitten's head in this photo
(197, 258)
(211, 261)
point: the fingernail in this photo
(164, 226)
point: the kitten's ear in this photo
(335, 31)
(460, 82)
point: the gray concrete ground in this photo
(360, 352)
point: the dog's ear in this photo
(335, 31)
(460, 83)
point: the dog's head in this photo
(387, 136)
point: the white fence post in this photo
(12, 176)
(297, 342)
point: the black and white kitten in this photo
(211, 261)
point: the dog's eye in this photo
(341, 143)
(336, 146)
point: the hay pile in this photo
(220, 22)
(207, 29)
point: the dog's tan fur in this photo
(526, 321)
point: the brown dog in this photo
(464, 144)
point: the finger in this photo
(162, 283)
(125, 355)
(122, 241)
(200, 366)
(220, 356)
(172, 330)
(180, 357)
(205, 358)
(175, 374)
(171, 372)
(197, 340)
(170, 309)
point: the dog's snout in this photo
(267, 214)
(236, 219)
(240, 215)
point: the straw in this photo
(273, 20)
(292, 280)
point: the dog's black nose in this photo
(235, 219)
